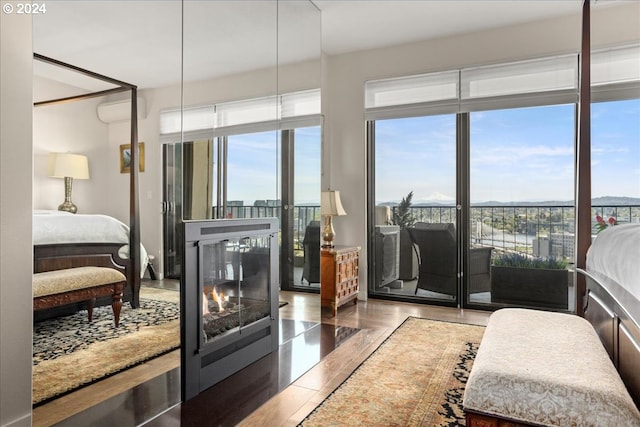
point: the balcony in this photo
(533, 230)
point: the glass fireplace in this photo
(229, 291)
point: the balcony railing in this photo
(534, 230)
(302, 216)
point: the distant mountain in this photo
(615, 201)
(526, 203)
(597, 201)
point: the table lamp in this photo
(68, 166)
(330, 206)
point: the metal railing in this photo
(542, 231)
(535, 230)
(302, 216)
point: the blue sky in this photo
(615, 148)
(524, 154)
(254, 165)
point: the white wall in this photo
(343, 91)
(16, 257)
(71, 127)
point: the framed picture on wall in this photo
(125, 157)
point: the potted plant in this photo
(519, 279)
(403, 218)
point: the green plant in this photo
(402, 213)
(519, 260)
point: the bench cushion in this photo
(547, 369)
(71, 279)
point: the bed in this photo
(65, 240)
(52, 254)
(612, 302)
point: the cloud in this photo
(499, 155)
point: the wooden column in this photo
(583, 159)
(134, 210)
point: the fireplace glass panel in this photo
(234, 285)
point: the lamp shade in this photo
(63, 165)
(330, 203)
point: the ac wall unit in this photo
(120, 111)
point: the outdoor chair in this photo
(311, 247)
(436, 249)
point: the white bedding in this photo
(615, 253)
(55, 227)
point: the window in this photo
(505, 175)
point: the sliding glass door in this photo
(615, 163)
(172, 208)
(460, 199)
(251, 175)
(247, 175)
(300, 246)
(414, 241)
(522, 207)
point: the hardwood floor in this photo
(278, 390)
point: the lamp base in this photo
(67, 205)
(328, 233)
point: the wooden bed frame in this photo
(61, 256)
(615, 314)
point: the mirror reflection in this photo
(228, 98)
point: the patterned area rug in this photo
(415, 378)
(69, 352)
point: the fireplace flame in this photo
(205, 304)
(218, 299)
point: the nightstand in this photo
(338, 276)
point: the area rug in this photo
(416, 377)
(69, 352)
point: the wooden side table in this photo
(338, 276)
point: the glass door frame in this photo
(462, 209)
(172, 207)
(287, 194)
(287, 169)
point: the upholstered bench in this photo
(544, 369)
(60, 287)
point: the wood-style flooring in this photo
(278, 390)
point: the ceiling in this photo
(139, 42)
(353, 25)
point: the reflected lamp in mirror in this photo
(330, 206)
(68, 166)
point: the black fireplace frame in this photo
(202, 366)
